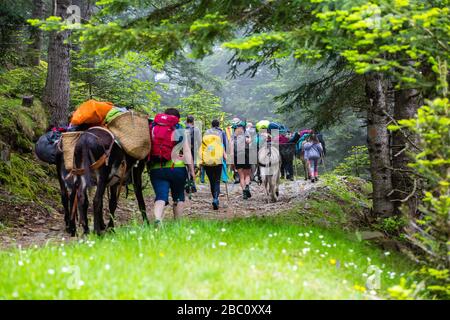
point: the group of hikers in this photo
(180, 151)
(233, 145)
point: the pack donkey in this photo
(269, 162)
(100, 161)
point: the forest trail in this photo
(36, 228)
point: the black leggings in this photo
(214, 173)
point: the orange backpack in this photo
(91, 112)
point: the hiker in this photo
(167, 174)
(240, 151)
(194, 137)
(251, 131)
(287, 152)
(313, 152)
(213, 155)
(230, 135)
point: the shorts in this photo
(243, 166)
(168, 179)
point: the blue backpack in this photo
(298, 146)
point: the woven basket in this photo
(132, 131)
(69, 140)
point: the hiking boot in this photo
(158, 224)
(215, 204)
(247, 190)
(313, 180)
(244, 195)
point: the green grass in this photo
(239, 259)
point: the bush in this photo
(23, 81)
(431, 231)
(355, 164)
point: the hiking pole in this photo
(229, 213)
(323, 162)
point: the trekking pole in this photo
(230, 211)
(323, 162)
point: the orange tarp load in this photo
(91, 112)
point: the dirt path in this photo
(30, 227)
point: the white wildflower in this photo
(107, 267)
(223, 229)
(20, 263)
(51, 271)
(222, 244)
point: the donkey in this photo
(101, 161)
(66, 184)
(269, 162)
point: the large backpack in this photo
(298, 146)
(47, 146)
(212, 150)
(162, 136)
(91, 112)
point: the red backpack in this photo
(162, 135)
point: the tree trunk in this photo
(35, 47)
(57, 87)
(378, 143)
(404, 144)
(87, 62)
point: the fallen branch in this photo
(409, 195)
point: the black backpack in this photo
(47, 146)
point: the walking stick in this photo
(323, 162)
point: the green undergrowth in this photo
(22, 178)
(20, 126)
(253, 258)
(338, 202)
(28, 180)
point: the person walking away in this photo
(287, 151)
(230, 130)
(194, 137)
(167, 172)
(213, 154)
(240, 152)
(313, 152)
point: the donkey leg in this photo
(84, 205)
(99, 225)
(71, 227)
(112, 205)
(137, 179)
